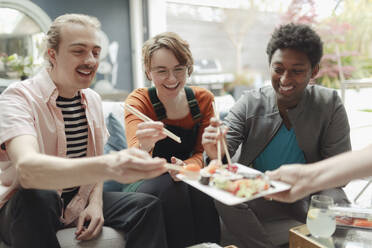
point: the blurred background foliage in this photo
(347, 37)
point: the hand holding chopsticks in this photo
(143, 117)
(219, 131)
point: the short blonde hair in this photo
(53, 37)
(171, 41)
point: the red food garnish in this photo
(344, 220)
(232, 168)
(362, 222)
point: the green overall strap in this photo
(193, 104)
(157, 105)
(160, 110)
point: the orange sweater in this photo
(140, 99)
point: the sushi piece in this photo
(192, 171)
(205, 177)
(192, 168)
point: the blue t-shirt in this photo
(283, 149)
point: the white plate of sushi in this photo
(231, 188)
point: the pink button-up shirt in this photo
(29, 107)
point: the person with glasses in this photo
(190, 215)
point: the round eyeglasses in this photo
(164, 73)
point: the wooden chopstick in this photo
(219, 157)
(226, 151)
(143, 117)
(223, 140)
(136, 112)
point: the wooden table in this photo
(299, 237)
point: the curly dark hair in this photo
(299, 37)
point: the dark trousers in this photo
(31, 218)
(244, 221)
(190, 216)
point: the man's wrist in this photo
(146, 149)
(95, 201)
(107, 163)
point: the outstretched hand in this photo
(131, 165)
(173, 173)
(293, 175)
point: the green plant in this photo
(350, 31)
(338, 58)
(366, 110)
(23, 66)
(346, 35)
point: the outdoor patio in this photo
(361, 136)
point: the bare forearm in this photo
(341, 169)
(48, 172)
(96, 195)
(36, 170)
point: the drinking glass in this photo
(320, 220)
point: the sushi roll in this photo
(205, 176)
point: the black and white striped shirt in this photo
(76, 127)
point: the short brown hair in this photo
(171, 41)
(54, 34)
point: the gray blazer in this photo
(319, 122)
(322, 130)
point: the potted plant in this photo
(18, 66)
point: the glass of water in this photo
(320, 220)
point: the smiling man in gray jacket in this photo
(290, 122)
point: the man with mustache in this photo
(52, 134)
(288, 122)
